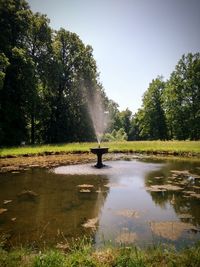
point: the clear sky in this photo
(134, 41)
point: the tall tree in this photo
(4, 63)
(46, 80)
(39, 46)
(134, 133)
(113, 113)
(151, 117)
(14, 25)
(182, 99)
(125, 117)
(15, 97)
(72, 73)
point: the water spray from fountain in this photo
(100, 119)
(98, 114)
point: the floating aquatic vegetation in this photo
(171, 187)
(114, 185)
(195, 195)
(191, 194)
(127, 213)
(98, 191)
(126, 237)
(194, 176)
(2, 210)
(85, 191)
(155, 188)
(174, 175)
(85, 185)
(181, 183)
(185, 216)
(171, 229)
(91, 223)
(188, 192)
(184, 175)
(28, 192)
(27, 195)
(187, 197)
(196, 187)
(7, 201)
(85, 188)
(165, 187)
(177, 172)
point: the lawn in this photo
(191, 148)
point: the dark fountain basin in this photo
(99, 151)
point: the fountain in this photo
(99, 151)
(100, 119)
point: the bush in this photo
(119, 135)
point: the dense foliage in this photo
(171, 109)
(48, 77)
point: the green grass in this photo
(87, 256)
(161, 147)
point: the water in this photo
(142, 202)
(99, 116)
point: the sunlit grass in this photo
(156, 146)
(179, 147)
(86, 255)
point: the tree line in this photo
(47, 77)
(171, 109)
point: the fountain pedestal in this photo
(99, 151)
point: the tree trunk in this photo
(32, 129)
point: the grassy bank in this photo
(187, 148)
(86, 255)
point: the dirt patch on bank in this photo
(16, 164)
(22, 163)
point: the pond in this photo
(139, 202)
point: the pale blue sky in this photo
(133, 40)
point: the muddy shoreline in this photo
(46, 161)
(49, 160)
